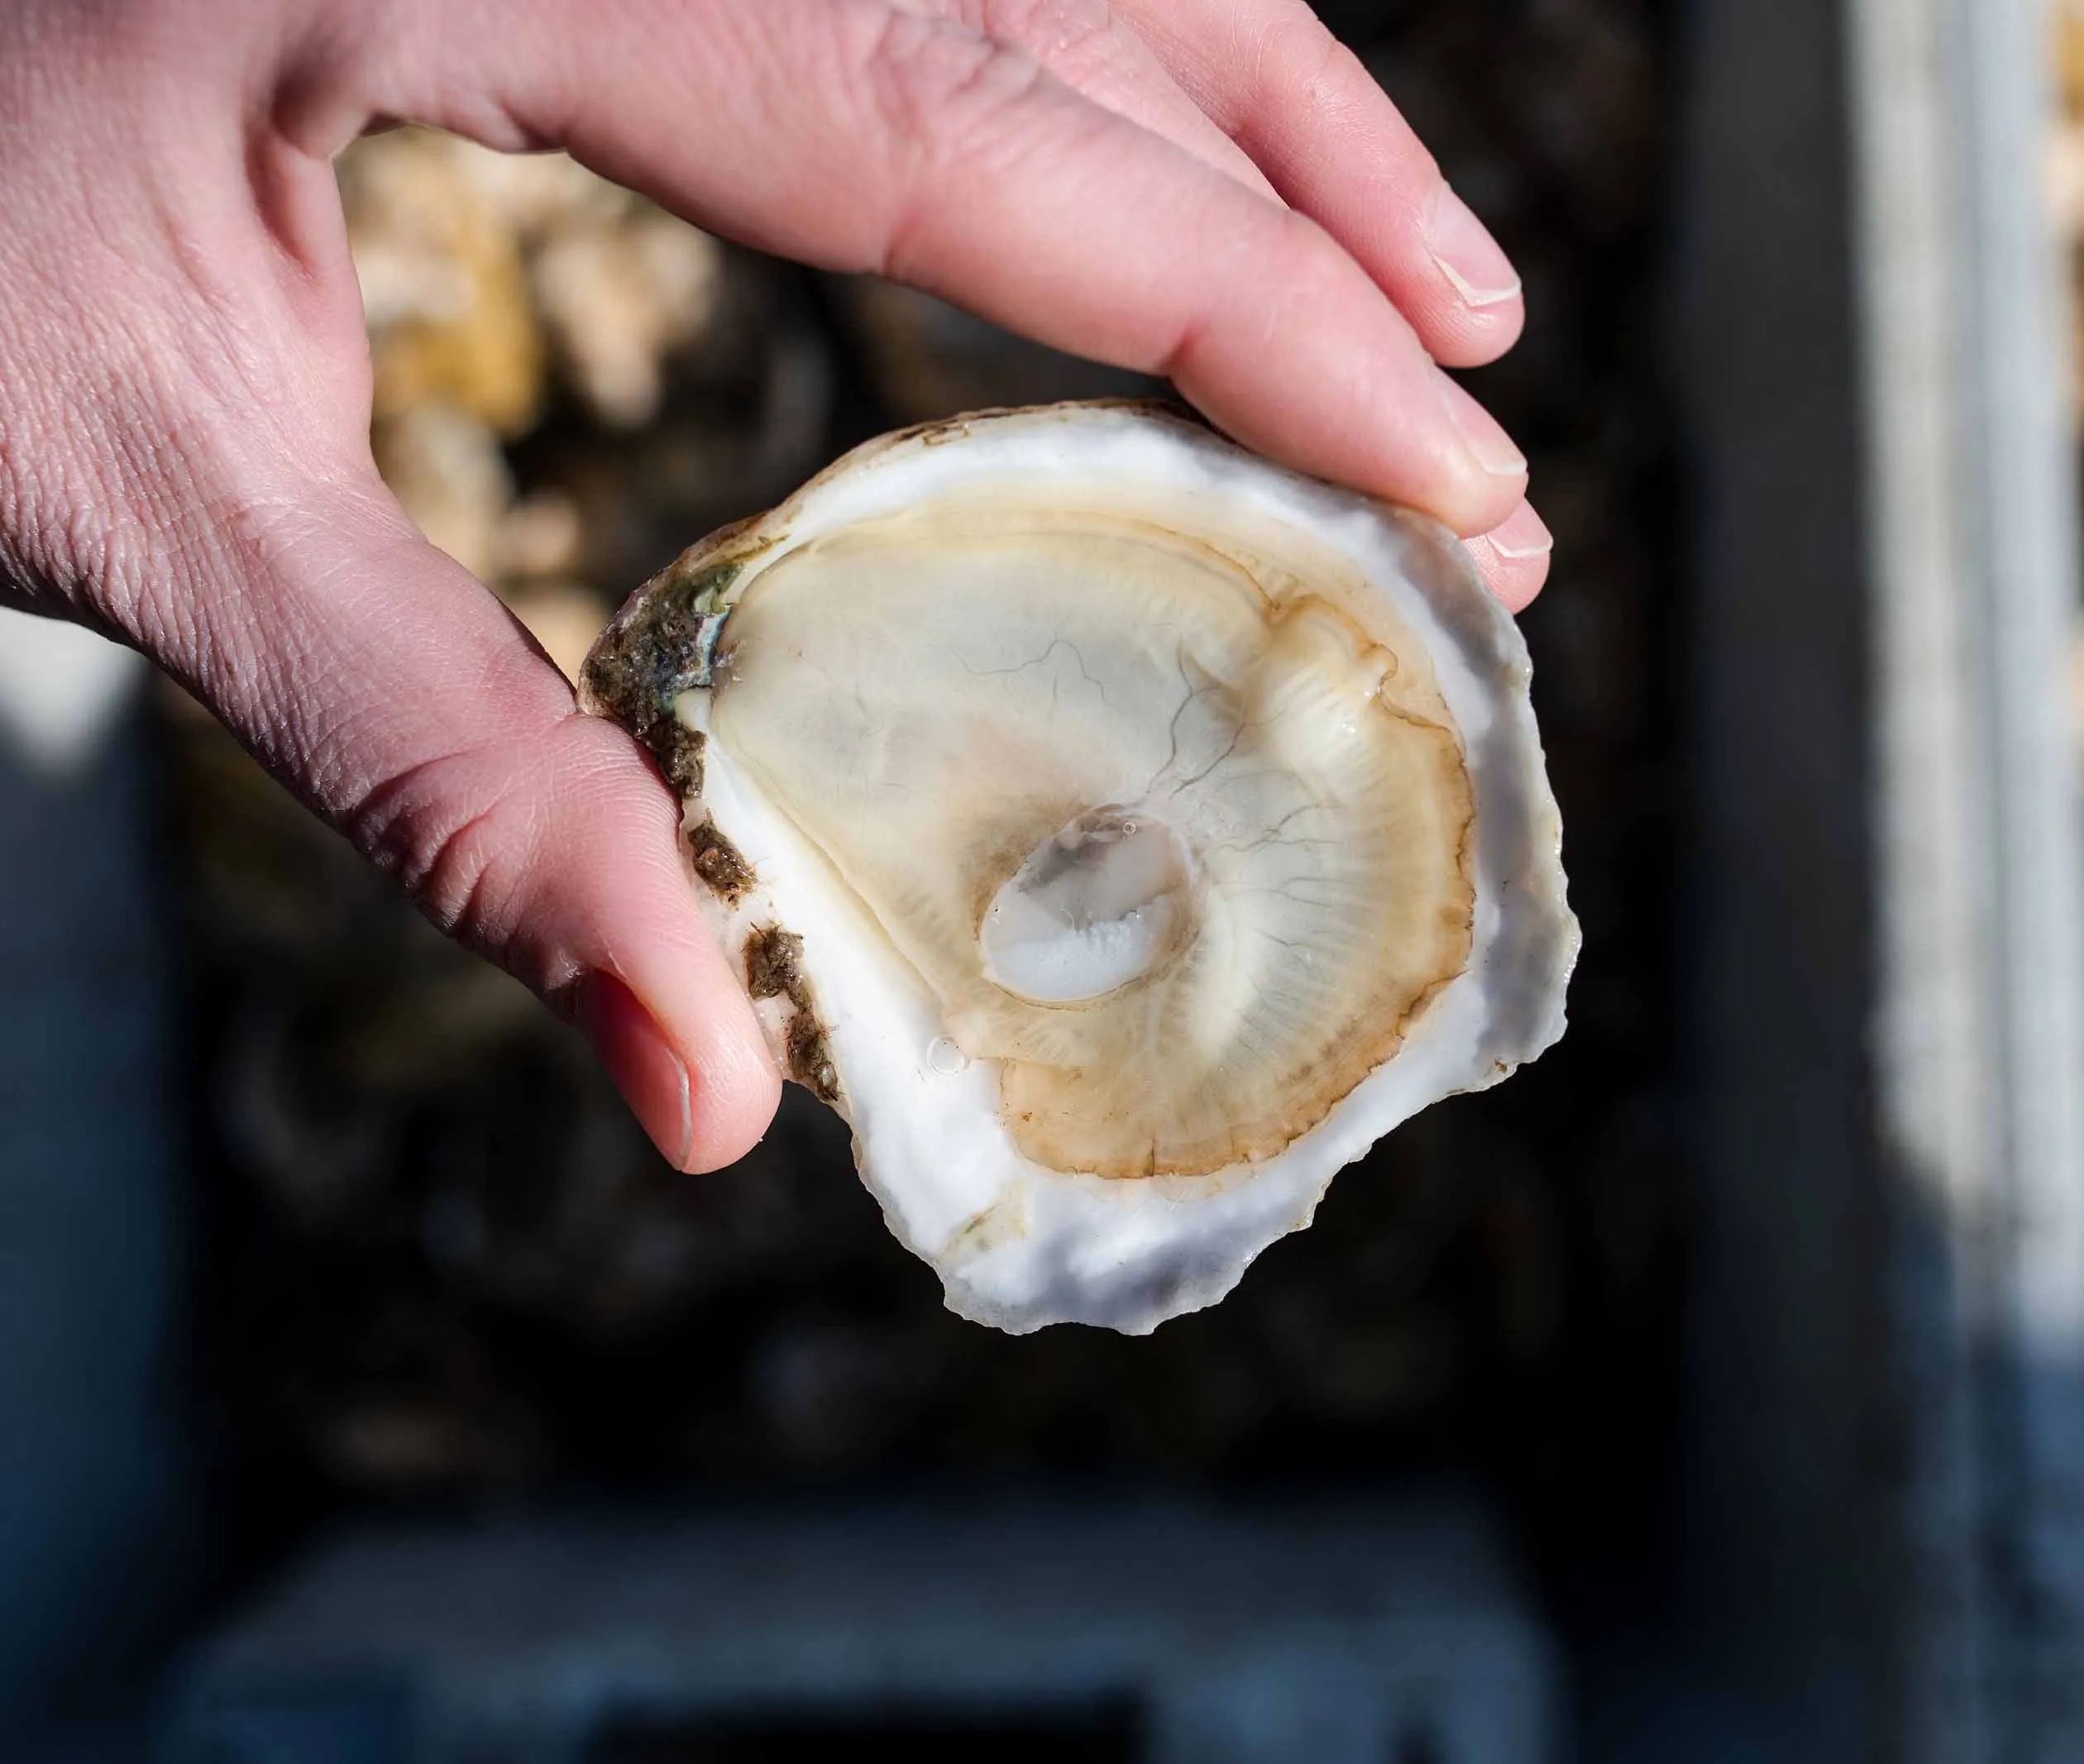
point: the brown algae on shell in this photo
(774, 969)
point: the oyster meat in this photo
(1121, 832)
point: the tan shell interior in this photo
(928, 697)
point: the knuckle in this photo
(1083, 42)
(947, 106)
(494, 839)
(457, 833)
(1296, 65)
(49, 548)
(1298, 60)
(1052, 29)
(939, 92)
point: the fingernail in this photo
(1467, 255)
(1522, 533)
(1488, 445)
(651, 1076)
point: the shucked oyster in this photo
(1121, 832)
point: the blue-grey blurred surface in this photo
(97, 1512)
(1346, 1633)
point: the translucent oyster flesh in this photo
(1121, 832)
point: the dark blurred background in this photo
(441, 1263)
(376, 1321)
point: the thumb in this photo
(392, 691)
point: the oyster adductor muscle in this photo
(1120, 831)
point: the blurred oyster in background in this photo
(618, 293)
(520, 299)
(447, 470)
(444, 287)
(484, 274)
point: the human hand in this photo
(1210, 189)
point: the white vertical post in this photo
(1980, 1011)
(2022, 374)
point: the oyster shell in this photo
(1121, 832)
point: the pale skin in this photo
(1213, 190)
